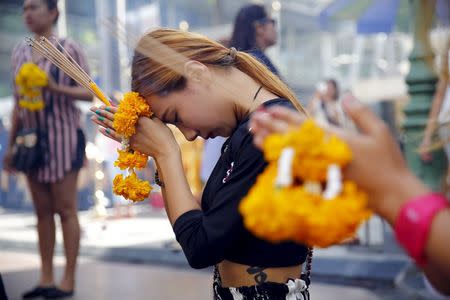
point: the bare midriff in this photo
(236, 275)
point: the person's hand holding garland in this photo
(123, 120)
(289, 200)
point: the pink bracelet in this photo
(414, 221)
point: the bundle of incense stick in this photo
(63, 60)
(148, 46)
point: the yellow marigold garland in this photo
(130, 159)
(298, 212)
(314, 150)
(30, 80)
(131, 187)
(130, 109)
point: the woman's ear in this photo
(196, 72)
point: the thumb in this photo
(363, 117)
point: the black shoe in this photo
(38, 291)
(56, 293)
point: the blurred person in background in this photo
(53, 184)
(325, 106)
(439, 118)
(254, 31)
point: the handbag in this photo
(29, 150)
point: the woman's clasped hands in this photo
(152, 137)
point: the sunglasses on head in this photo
(266, 20)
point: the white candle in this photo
(334, 182)
(284, 172)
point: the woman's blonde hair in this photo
(156, 63)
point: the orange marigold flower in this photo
(131, 187)
(130, 109)
(130, 159)
(294, 213)
(125, 124)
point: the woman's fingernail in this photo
(100, 118)
(107, 130)
(107, 108)
(98, 112)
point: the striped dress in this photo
(60, 118)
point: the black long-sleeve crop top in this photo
(216, 232)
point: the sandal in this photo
(57, 293)
(38, 291)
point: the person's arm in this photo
(163, 188)
(7, 159)
(73, 91)
(14, 126)
(409, 187)
(312, 103)
(438, 99)
(155, 139)
(198, 198)
(76, 92)
(206, 236)
(399, 186)
(176, 192)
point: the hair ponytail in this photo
(160, 55)
(259, 72)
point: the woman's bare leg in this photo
(65, 201)
(42, 200)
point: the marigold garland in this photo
(315, 151)
(130, 109)
(298, 212)
(127, 160)
(131, 187)
(30, 80)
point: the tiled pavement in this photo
(144, 238)
(99, 280)
(134, 251)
